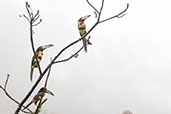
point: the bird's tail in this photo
(85, 44)
(31, 73)
(28, 105)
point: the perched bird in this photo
(39, 55)
(82, 30)
(39, 96)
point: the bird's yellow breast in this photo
(40, 54)
(81, 25)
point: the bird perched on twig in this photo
(39, 55)
(42, 92)
(82, 30)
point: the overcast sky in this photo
(128, 67)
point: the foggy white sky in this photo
(127, 67)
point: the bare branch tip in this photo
(76, 55)
(20, 15)
(127, 6)
(93, 7)
(44, 101)
(27, 5)
(95, 13)
(121, 16)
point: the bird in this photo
(42, 92)
(82, 30)
(39, 55)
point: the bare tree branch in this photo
(35, 19)
(31, 33)
(39, 108)
(44, 101)
(6, 81)
(40, 102)
(32, 19)
(48, 76)
(102, 6)
(100, 12)
(9, 96)
(73, 55)
(70, 57)
(26, 18)
(37, 14)
(27, 8)
(38, 22)
(117, 16)
(92, 6)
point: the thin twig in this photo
(48, 76)
(64, 60)
(9, 96)
(101, 7)
(44, 101)
(37, 14)
(39, 108)
(100, 12)
(27, 8)
(121, 16)
(116, 16)
(26, 18)
(35, 19)
(45, 86)
(6, 81)
(32, 45)
(38, 22)
(32, 20)
(73, 55)
(92, 6)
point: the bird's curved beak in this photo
(85, 17)
(47, 46)
(49, 92)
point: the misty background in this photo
(127, 67)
